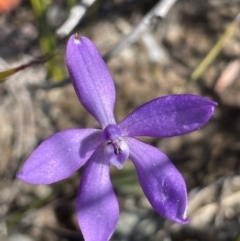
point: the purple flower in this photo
(65, 152)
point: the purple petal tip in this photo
(185, 221)
(181, 218)
(20, 175)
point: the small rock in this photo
(19, 237)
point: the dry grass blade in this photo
(39, 60)
(215, 50)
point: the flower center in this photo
(116, 146)
(117, 150)
(112, 133)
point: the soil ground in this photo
(209, 159)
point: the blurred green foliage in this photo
(48, 41)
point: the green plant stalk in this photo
(47, 40)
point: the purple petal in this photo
(91, 79)
(97, 206)
(161, 182)
(59, 156)
(167, 116)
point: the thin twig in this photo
(48, 86)
(76, 14)
(160, 10)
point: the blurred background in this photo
(194, 47)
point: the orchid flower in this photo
(63, 153)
